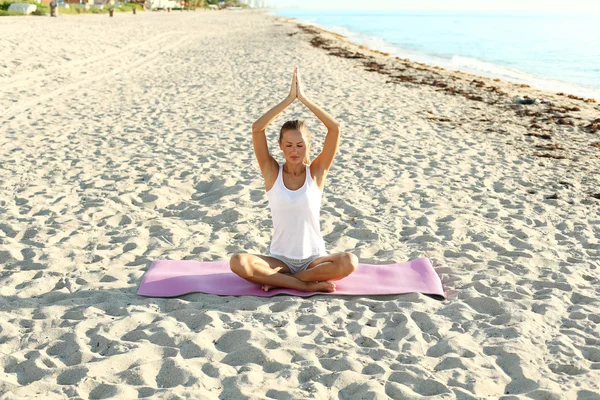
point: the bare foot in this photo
(310, 287)
(321, 287)
(266, 288)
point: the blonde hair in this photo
(303, 128)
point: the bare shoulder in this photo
(270, 174)
(318, 174)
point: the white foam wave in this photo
(473, 65)
(486, 67)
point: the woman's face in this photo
(293, 146)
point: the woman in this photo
(297, 257)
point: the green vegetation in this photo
(228, 3)
(130, 6)
(42, 9)
(74, 9)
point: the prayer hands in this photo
(299, 87)
(293, 90)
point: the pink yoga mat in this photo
(168, 278)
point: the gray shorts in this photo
(294, 265)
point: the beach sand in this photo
(128, 139)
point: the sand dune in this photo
(130, 141)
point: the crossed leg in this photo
(331, 267)
(271, 272)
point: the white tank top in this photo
(295, 214)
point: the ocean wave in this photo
(473, 65)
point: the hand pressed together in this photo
(299, 86)
(297, 89)
(293, 90)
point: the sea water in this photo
(558, 52)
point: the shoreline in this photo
(518, 81)
(539, 120)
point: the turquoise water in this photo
(559, 52)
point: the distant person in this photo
(53, 8)
(297, 258)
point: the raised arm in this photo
(332, 140)
(259, 139)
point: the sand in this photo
(127, 140)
